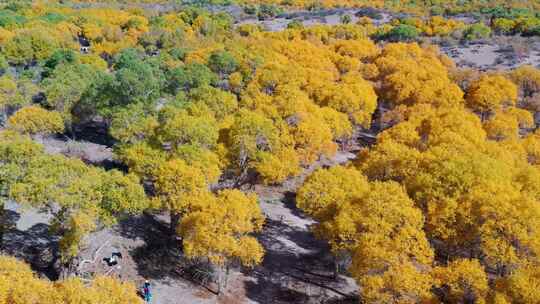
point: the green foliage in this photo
(345, 19)
(295, 25)
(266, 11)
(205, 3)
(251, 134)
(178, 53)
(437, 11)
(135, 80)
(219, 102)
(508, 12)
(128, 58)
(139, 83)
(3, 64)
(132, 124)
(476, 31)
(10, 19)
(70, 86)
(402, 32)
(222, 63)
(190, 76)
(53, 18)
(178, 127)
(64, 56)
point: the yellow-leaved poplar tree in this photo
(180, 189)
(222, 232)
(19, 285)
(36, 120)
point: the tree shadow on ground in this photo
(289, 202)
(279, 288)
(160, 257)
(287, 245)
(34, 245)
(10, 218)
(95, 132)
(296, 266)
(271, 288)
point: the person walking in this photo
(147, 293)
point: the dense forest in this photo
(440, 204)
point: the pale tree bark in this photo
(339, 259)
(68, 269)
(223, 277)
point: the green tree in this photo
(345, 19)
(402, 32)
(251, 135)
(476, 31)
(69, 89)
(219, 102)
(190, 76)
(63, 56)
(222, 63)
(177, 127)
(135, 82)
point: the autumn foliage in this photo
(443, 206)
(19, 285)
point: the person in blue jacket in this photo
(147, 292)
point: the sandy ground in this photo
(495, 55)
(89, 152)
(26, 217)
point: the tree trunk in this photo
(219, 281)
(222, 278)
(70, 130)
(339, 260)
(379, 120)
(336, 267)
(67, 269)
(64, 273)
(175, 219)
(226, 275)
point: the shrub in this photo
(402, 32)
(476, 31)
